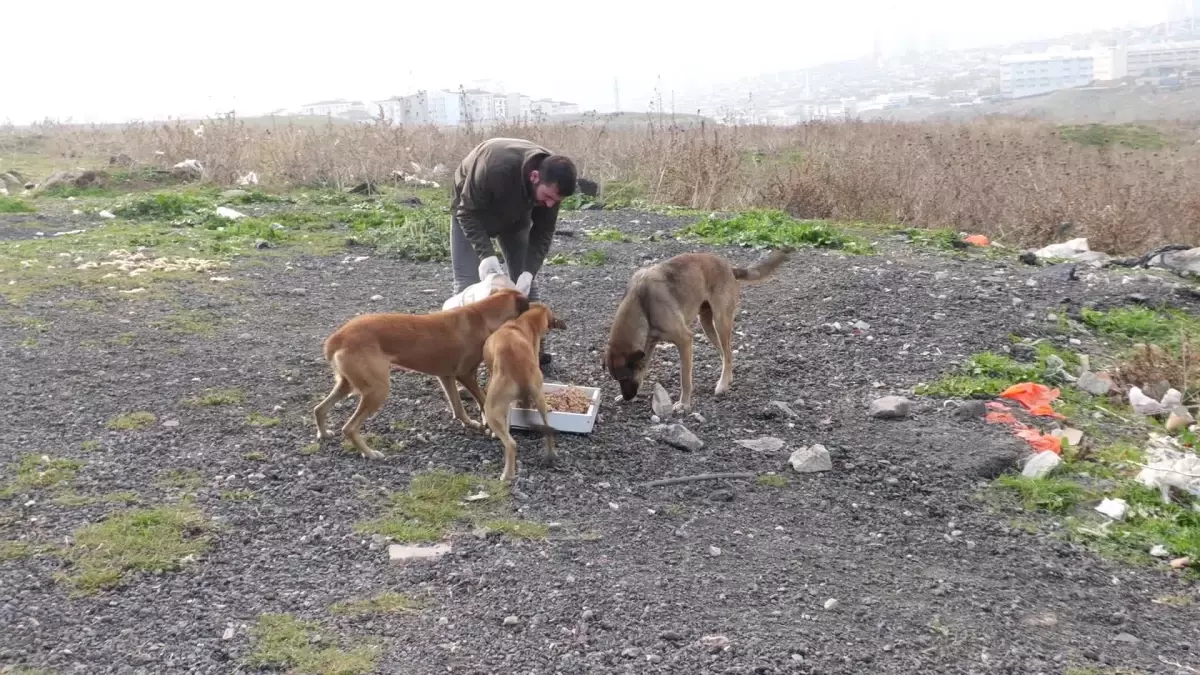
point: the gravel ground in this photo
(927, 576)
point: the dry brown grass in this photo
(1014, 180)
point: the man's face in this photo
(544, 194)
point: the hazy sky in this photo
(111, 60)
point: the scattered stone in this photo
(670, 636)
(188, 168)
(813, 459)
(678, 436)
(1041, 464)
(1159, 551)
(171, 423)
(1126, 638)
(1184, 263)
(762, 444)
(714, 551)
(511, 620)
(1179, 418)
(890, 408)
(1068, 249)
(376, 297)
(787, 409)
(721, 496)
(588, 615)
(1113, 508)
(831, 603)
(661, 402)
(715, 643)
(405, 553)
(1096, 384)
(228, 634)
(299, 291)
(699, 418)
(970, 410)
(1029, 258)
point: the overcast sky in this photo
(113, 60)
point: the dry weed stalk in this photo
(1012, 179)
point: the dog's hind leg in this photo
(496, 415)
(341, 389)
(723, 325)
(371, 378)
(456, 404)
(548, 434)
(685, 372)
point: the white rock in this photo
(226, 212)
(1041, 464)
(831, 603)
(762, 444)
(661, 402)
(1113, 508)
(1068, 249)
(404, 553)
(1159, 551)
(376, 297)
(106, 214)
(812, 459)
(890, 407)
(714, 551)
(678, 436)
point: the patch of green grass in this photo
(986, 374)
(142, 540)
(383, 603)
(132, 421)
(238, 496)
(434, 503)
(607, 234)
(1050, 493)
(38, 472)
(772, 480)
(188, 479)
(161, 206)
(255, 456)
(282, 641)
(256, 419)
(774, 229)
(220, 397)
(90, 445)
(1175, 600)
(22, 550)
(943, 239)
(1133, 136)
(14, 205)
(253, 197)
(517, 529)
(1140, 323)
(421, 234)
(588, 258)
(310, 449)
(187, 322)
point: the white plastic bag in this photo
(493, 278)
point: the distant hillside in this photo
(626, 120)
(1072, 106)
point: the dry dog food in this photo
(569, 400)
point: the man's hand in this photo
(490, 265)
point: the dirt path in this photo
(927, 576)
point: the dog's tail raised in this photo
(763, 269)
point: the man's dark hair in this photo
(558, 170)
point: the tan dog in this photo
(511, 356)
(659, 305)
(446, 344)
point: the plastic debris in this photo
(1035, 397)
(1113, 508)
(978, 240)
(1041, 464)
(492, 278)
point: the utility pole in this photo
(616, 96)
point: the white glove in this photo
(524, 282)
(490, 265)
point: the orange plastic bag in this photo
(1035, 397)
(977, 240)
(1039, 441)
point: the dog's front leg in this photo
(456, 404)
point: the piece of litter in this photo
(226, 212)
(1041, 464)
(1159, 551)
(1113, 508)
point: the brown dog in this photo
(511, 356)
(446, 344)
(659, 305)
